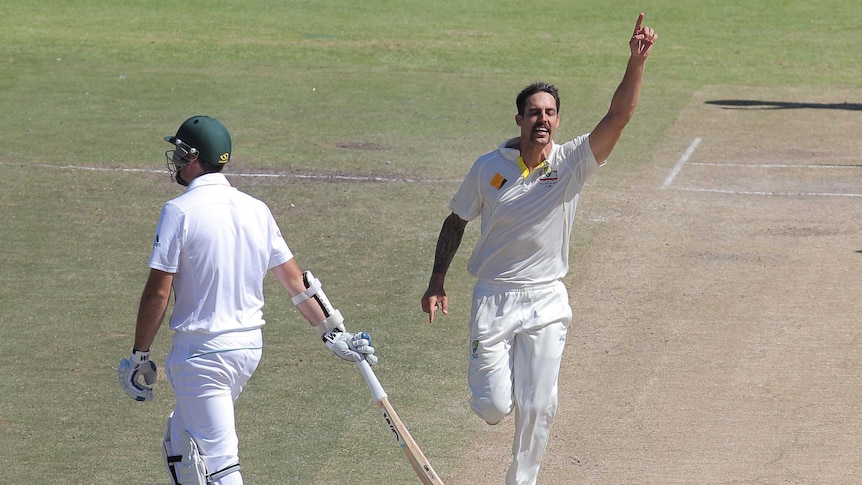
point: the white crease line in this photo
(301, 176)
(98, 169)
(348, 178)
(785, 194)
(771, 165)
(685, 156)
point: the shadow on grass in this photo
(754, 104)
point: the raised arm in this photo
(604, 136)
(447, 245)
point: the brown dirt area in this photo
(716, 336)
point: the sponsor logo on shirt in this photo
(497, 181)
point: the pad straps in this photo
(223, 472)
(312, 290)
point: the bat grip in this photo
(377, 391)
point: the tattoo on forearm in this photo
(448, 243)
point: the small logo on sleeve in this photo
(497, 181)
(156, 243)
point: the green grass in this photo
(431, 84)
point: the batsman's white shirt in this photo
(219, 243)
(527, 217)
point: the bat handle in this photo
(377, 391)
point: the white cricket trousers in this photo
(207, 373)
(517, 337)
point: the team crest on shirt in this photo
(156, 243)
(549, 177)
(474, 349)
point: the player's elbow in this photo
(618, 117)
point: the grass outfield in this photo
(412, 91)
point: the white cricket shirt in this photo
(527, 217)
(219, 242)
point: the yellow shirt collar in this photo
(525, 170)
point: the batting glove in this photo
(137, 365)
(352, 347)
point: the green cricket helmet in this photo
(202, 136)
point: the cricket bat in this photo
(417, 459)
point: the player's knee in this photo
(542, 410)
(492, 412)
(187, 465)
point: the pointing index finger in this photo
(639, 22)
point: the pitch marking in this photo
(300, 176)
(771, 165)
(796, 194)
(685, 156)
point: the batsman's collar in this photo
(208, 179)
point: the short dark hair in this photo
(538, 87)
